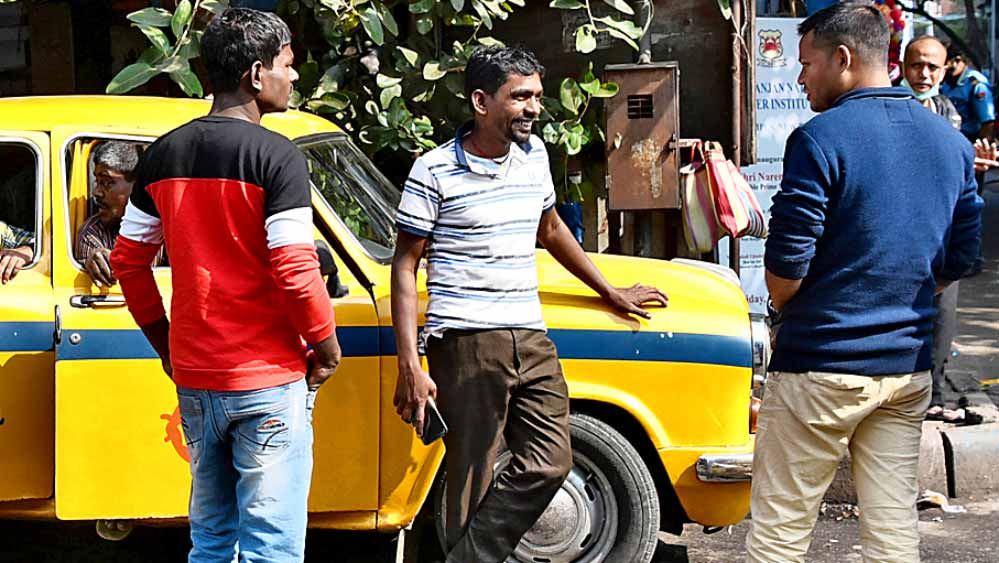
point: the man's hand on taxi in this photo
(411, 392)
(98, 265)
(323, 361)
(12, 260)
(631, 299)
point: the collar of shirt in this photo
(518, 155)
(860, 93)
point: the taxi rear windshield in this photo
(361, 195)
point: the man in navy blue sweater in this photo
(877, 213)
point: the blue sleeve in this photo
(965, 240)
(981, 99)
(798, 213)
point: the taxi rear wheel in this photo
(606, 511)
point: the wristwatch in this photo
(774, 317)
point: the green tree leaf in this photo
(385, 81)
(389, 94)
(188, 81)
(156, 37)
(483, 11)
(330, 80)
(550, 134)
(411, 56)
(172, 64)
(606, 90)
(458, 5)
(726, 8)
(424, 24)
(421, 6)
(585, 41)
(397, 112)
(388, 20)
(152, 17)
(591, 87)
(624, 26)
(214, 6)
(623, 37)
(621, 6)
(131, 77)
(373, 25)
(571, 96)
(567, 4)
(455, 83)
(490, 42)
(151, 56)
(181, 17)
(432, 71)
(308, 76)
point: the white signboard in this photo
(781, 106)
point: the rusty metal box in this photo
(643, 124)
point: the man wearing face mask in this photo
(924, 68)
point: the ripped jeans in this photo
(251, 466)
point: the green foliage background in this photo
(391, 71)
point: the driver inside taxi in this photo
(114, 174)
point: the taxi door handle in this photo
(93, 301)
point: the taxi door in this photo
(120, 452)
(120, 448)
(27, 330)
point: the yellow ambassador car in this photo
(662, 422)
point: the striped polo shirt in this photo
(480, 217)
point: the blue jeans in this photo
(251, 466)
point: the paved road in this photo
(977, 341)
(968, 538)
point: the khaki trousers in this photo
(495, 386)
(807, 422)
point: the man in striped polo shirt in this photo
(477, 204)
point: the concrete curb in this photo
(953, 460)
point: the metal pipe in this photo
(992, 40)
(643, 219)
(734, 250)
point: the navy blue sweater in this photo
(878, 203)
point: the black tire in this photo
(633, 487)
(630, 484)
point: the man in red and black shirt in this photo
(231, 201)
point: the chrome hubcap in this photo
(580, 524)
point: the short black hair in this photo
(236, 39)
(954, 51)
(489, 67)
(859, 26)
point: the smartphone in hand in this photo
(433, 423)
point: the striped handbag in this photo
(700, 222)
(737, 209)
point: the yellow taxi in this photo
(662, 414)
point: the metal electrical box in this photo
(643, 128)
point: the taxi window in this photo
(101, 176)
(19, 199)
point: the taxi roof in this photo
(157, 115)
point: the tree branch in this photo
(919, 10)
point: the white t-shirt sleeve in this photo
(420, 203)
